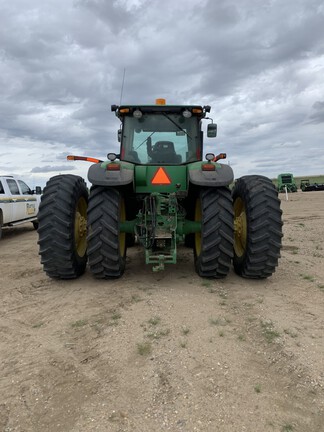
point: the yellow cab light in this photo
(124, 111)
(113, 167)
(160, 101)
(196, 110)
(208, 167)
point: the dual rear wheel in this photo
(243, 226)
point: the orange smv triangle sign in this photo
(161, 177)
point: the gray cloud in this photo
(257, 64)
(48, 168)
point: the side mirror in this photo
(38, 190)
(119, 135)
(212, 130)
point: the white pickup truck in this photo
(18, 203)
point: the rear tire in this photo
(258, 227)
(213, 246)
(62, 227)
(106, 244)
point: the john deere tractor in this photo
(160, 192)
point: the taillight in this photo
(208, 167)
(113, 167)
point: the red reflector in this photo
(113, 167)
(208, 167)
(161, 177)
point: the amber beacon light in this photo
(160, 101)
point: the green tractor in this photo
(286, 181)
(159, 192)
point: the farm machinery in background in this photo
(307, 186)
(159, 191)
(286, 182)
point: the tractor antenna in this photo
(122, 87)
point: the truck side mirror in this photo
(38, 190)
(212, 130)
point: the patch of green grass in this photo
(206, 283)
(79, 323)
(183, 344)
(257, 388)
(158, 334)
(214, 321)
(136, 298)
(219, 321)
(116, 315)
(321, 287)
(114, 318)
(185, 330)
(38, 325)
(221, 333)
(287, 427)
(268, 331)
(241, 338)
(144, 348)
(308, 277)
(154, 320)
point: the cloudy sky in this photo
(259, 64)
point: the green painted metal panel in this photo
(145, 174)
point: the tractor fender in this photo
(98, 175)
(222, 176)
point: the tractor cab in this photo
(161, 134)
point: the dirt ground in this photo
(166, 351)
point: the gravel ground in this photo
(166, 351)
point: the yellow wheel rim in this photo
(240, 227)
(198, 216)
(122, 235)
(80, 227)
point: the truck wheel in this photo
(213, 245)
(62, 229)
(257, 227)
(107, 245)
